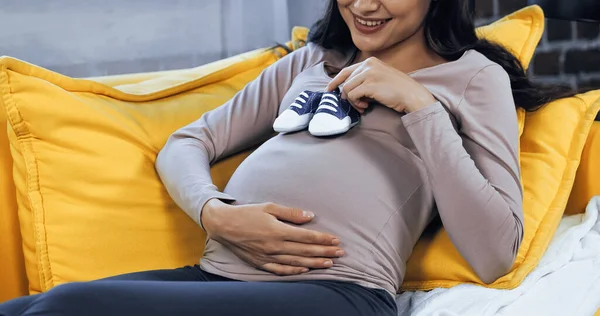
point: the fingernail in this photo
(308, 214)
(328, 263)
(339, 253)
(304, 270)
(335, 242)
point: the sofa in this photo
(79, 198)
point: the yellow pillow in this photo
(90, 202)
(587, 182)
(12, 271)
(519, 32)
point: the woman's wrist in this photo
(420, 102)
(210, 215)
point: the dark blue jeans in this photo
(191, 291)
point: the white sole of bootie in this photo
(323, 124)
(289, 122)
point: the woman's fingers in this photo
(307, 250)
(288, 214)
(341, 77)
(357, 78)
(361, 106)
(298, 257)
(307, 236)
(358, 95)
(356, 87)
(304, 262)
(281, 269)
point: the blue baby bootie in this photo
(298, 115)
(333, 116)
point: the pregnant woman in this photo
(324, 225)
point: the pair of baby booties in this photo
(324, 113)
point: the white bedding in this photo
(566, 281)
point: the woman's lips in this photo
(369, 29)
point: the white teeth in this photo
(370, 23)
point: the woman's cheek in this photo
(344, 2)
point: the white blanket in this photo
(566, 281)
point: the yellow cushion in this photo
(587, 181)
(12, 269)
(90, 202)
(519, 32)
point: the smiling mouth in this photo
(371, 23)
(369, 26)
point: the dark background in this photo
(569, 52)
(583, 10)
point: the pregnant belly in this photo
(353, 183)
(358, 186)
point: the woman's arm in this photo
(475, 173)
(184, 163)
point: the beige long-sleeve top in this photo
(376, 187)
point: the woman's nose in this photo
(366, 6)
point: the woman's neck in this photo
(407, 56)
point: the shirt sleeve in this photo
(474, 172)
(183, 165)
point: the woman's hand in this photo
(257, 235)
(373, 80)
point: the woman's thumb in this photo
(290, 214)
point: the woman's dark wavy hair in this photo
(449, 31)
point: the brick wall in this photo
(568, 53)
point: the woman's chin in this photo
(368, 43)
(368, 46)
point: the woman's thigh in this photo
(211, 298)
(185, 274)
